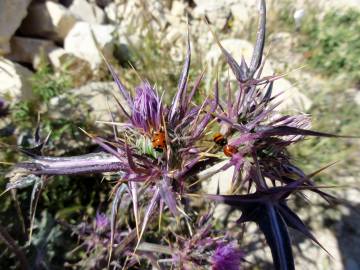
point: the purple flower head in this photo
(102, 221)
(147, 108)
(4, 110)
(227, 257)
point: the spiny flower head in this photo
(227, 257)
(101, 221)
(203, 249)
(147, 110)
(4, 110)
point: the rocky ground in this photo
(76, 33)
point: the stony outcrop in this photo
(98, 97)
(88, 41)
(14, 80)
(87, 12)
(48, 20)
(12, 12)
(30, 50)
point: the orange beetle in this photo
(219, 139)
(158, 141)
(229, 150)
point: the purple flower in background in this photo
(147, 108)
(4, 110)
(102, 221)
(227, 257)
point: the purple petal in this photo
(227, 257)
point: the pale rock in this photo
(174, 21)
(173, 34)
(98, 97)
(30, 50)
(15, 80)
(176, 42)
(314, 257)
(357, 98)
(175, 39)
(290, 96)
(204, 38)
(221, 2)
(79, 68)
(243, 13)
(56, 56)
(12, 12)
(218, 12)
(299, 15)
(138, 15)
(158, 12)
(111, 12)
(178, 9)
(87, 12)
(80, 42)
(222, 181)
(282, 41)
(48, 20)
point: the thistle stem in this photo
(84, 164)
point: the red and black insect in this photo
(229, 150)
(158, 141)
(219, 139)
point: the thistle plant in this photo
(3, 108)
(155, 159)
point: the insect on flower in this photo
(229, 150)
(219, 139)
(158, 141)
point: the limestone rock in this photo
(284, 42)
(290, 96)
(138, 15)
(243, 13)
(14, 80)
(97, 96)
(357, 98)
(79, 68)
(218, 12)
(48, 20)
(222, 179)
(87, 12)
(12, 13)
(175, 41)
(178, 9)
(173, 35)
(80, 42)
(29, 50)
(111, 12)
